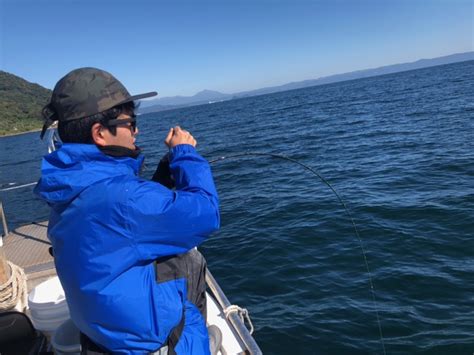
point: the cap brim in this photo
(139, 97)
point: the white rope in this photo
(242, 312)
(13, 293)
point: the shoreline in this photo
(18, 133)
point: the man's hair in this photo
(79, 131)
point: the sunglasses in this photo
(129, 122)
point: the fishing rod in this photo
(314, 172)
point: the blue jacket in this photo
(107, 226)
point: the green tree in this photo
(20, 104)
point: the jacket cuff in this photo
(181, 149)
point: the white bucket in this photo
(48, 306)
(66, 339)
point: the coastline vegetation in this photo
(20, 104)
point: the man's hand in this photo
(177, 136)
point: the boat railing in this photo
(234, 317)
(4, 224)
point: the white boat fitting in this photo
(230, 319)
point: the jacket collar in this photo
(74, 167)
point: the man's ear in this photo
(98, 134)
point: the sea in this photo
(399, 151)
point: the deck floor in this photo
(27, 247)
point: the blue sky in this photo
(182, 47)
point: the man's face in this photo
(125, 134)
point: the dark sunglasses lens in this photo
(128, 122)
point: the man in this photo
(108, 226)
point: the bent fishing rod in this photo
(315, 173)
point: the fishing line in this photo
(314, 172)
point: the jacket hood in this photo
(66, 172)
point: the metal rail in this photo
(237, 323)
(18, 187)
(53, 141)
(4, 223)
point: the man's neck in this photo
(119, 151)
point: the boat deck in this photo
(27, 247)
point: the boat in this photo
(28, 248)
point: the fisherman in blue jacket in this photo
(109, 227)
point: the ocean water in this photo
(398, 148)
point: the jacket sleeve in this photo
(163, 222)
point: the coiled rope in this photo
(314, 172)
(13, 293)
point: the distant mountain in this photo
(389, 69)
(21, 101)
(202, 97)
(208, 96)
(20, 104)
